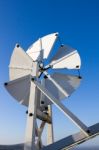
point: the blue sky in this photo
(78, 24)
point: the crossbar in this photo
(73, 140)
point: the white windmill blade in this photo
(20, 64)
(20, 89)
(68, 83)
(45, 43)
(66, 57)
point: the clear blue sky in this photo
(77, 21)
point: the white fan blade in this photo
(45, 43)
(20, 89)
(66, 57)
(68, 82)
(20, 64)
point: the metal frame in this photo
(50, 133)
(31, 117)
(31, 120)
(66, 111)
(71, 141)
(39, 144)
(32, 130)
(33, 135)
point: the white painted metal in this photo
(45, 43)
(56, 84)
(66, 111)
(40, 130)
(20, 65)
(66, 143)
(60, 85)
(34, 50)
(50, 133)
(32, 112)
(68, 82)
(31, 120)
(73, 140)
(25, 86)
(20, 89)
(43, 98)
(66, 57)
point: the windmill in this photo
(38, 85)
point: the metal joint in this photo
(5, 83)
(30, 114)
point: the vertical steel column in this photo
(31, 116)
(50, 134)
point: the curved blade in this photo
(20, 89)
(66, 57)
(44, 44)
(68, 82)
(20, 64)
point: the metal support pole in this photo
(40, 130)
(50, 134)
(31, 116)
(31, 120)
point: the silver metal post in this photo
(50, 134)
(31, 116)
